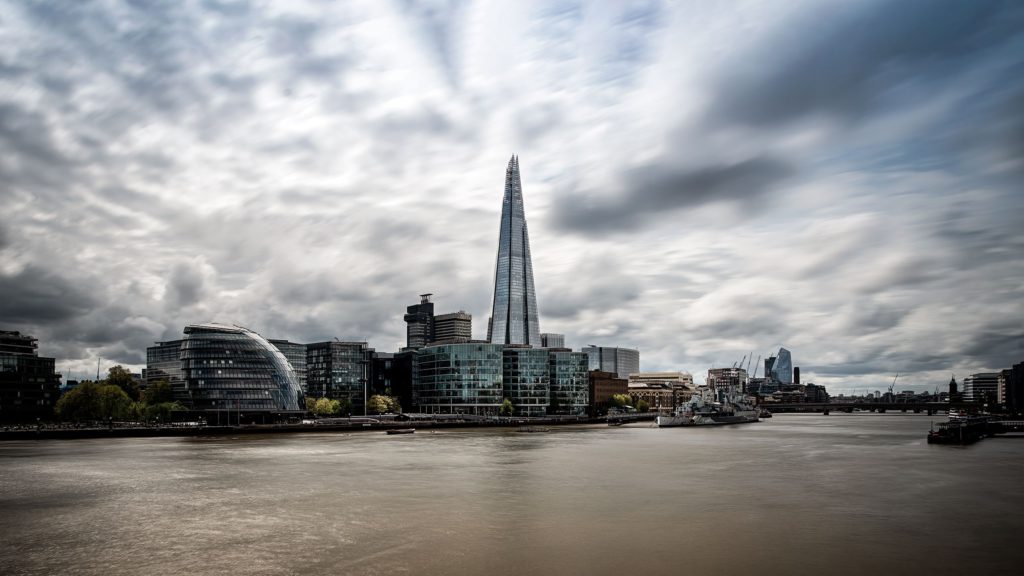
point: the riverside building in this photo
(163, 363)
(29, 386)
(296, 355)
(233, 369)
(339, 371)
(461, 378)
(569, 380)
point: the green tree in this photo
(122, 378)
(394, 405)
(378, 404)
(642, 406)
(620, 401)
(159, 392)
(326, 407)
(507, 409)
(91, 401)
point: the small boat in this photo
(402, 431)
(764, 414)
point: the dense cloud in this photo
(702, 182)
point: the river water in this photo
(796, 494)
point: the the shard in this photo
(514, 311)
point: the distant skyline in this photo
(703, 181)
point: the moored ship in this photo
(703, 410)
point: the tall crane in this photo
(756, 366)
(891, 397)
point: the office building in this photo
(1001, 381)
(779, 368)
(29, 384)
(296, 355)
(1015, 389)
(339, 371)
(569, 380)
(982, 387)
(728, 380)
(526, 379)
(454, 327)
(391, 375)
(463, 378)
(601, 387)
(621, 361)
(419, 323)
(235, 370)
(514, 308)
(549, 340)
(163, 363)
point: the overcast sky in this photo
(702, 180)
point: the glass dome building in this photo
(233, 368)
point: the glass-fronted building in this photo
(621, 361)
(569, 379)
(526, 380)
(458, 379)
(551, 340)
(163, 362)
(339, 371)
(29, 385)
(235, 369)
(296, 355)
(514, 310)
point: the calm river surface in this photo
(796, 494)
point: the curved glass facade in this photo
(230, 367)
(458, 379)
(526, 380)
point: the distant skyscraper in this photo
(783, 369)
(548, 340)
(419, 320)
(621, 361)
(514, 311)
(457, 326)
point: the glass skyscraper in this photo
(514, 311)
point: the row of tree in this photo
(117, 397)
(376, 404)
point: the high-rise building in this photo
(29, 386)
(782, 370)
(339, 371)
(621, 361)
(233, 369)
(514, 309)
(549, 340)
(163, 362)
(981, 387)
(296, 355)
(419, 320)
(454, 327)
(1001, 382)
(1014, 391)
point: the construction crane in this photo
(891, 397)
(756, 366)
(749, 358)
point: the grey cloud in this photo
(37, 296)
(656, 190)
(436, 23)
(185, 286)
(853, 56)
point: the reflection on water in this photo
(802, 494)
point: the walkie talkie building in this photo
(514, 311)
